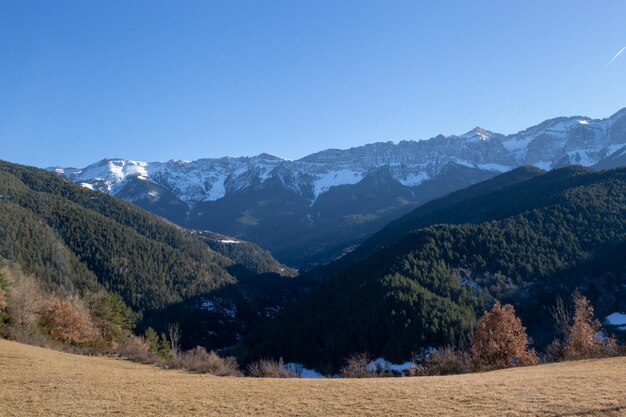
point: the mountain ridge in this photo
(264, 163)
(331, 200)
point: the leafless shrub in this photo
(356, 367)
(446, 361)
(267, 368)
(174, 334)
(136, 349)
(562, 315)
(199, 360)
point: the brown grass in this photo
(40, 382)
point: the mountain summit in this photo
(274, 201)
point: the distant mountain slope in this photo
(128, 251)
(524, 243)
(73, 239)
(254, 259)
(469, 205)
(311, 210)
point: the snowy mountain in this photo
(278, 202)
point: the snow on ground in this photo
(218, 189)
(517, 144)
(381, 363)
(616, 319)
(219, 306)
(300, 370)
(464, 162)
(494, 167)
(230, 241)
(413, 180)
(581, 157)
(614, 148)
(545, 165)
(323, 182)
(86, 185)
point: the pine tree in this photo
(164, 348)
(152, 339)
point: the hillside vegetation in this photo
(524, 243)
(74, 241)
(39, 382)
(75, 238)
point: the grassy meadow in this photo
(41, 382)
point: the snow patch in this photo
(385, 365)
(545, 165)
(217, 190)
(494, 167)
(230, 241)
(86, 185)
(581, 157)
(616, 319)
(301, 371)
(413, 180)
(324, 182)
(219, 306)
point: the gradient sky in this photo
(151, 80)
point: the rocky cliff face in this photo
(343, 195)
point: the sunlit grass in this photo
(40, 382)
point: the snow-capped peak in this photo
(478, 133)
(553, 143)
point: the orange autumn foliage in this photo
(69, 322)
(500, 341)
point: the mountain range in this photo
(312, 210)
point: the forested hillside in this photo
(75, 238)
(525, 242)
(253, 258)
(72, 239)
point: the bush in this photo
(69, 322)
(356, 367)
(199, 360)
(267, 368)
(446, 361)
(136, 349)
(500, 341)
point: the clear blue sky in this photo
(151, 80)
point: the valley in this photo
(322, 208)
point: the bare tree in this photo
(356, 367)
(173, 332)
(562, 314)
(26, 298)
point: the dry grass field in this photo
(40, 382)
